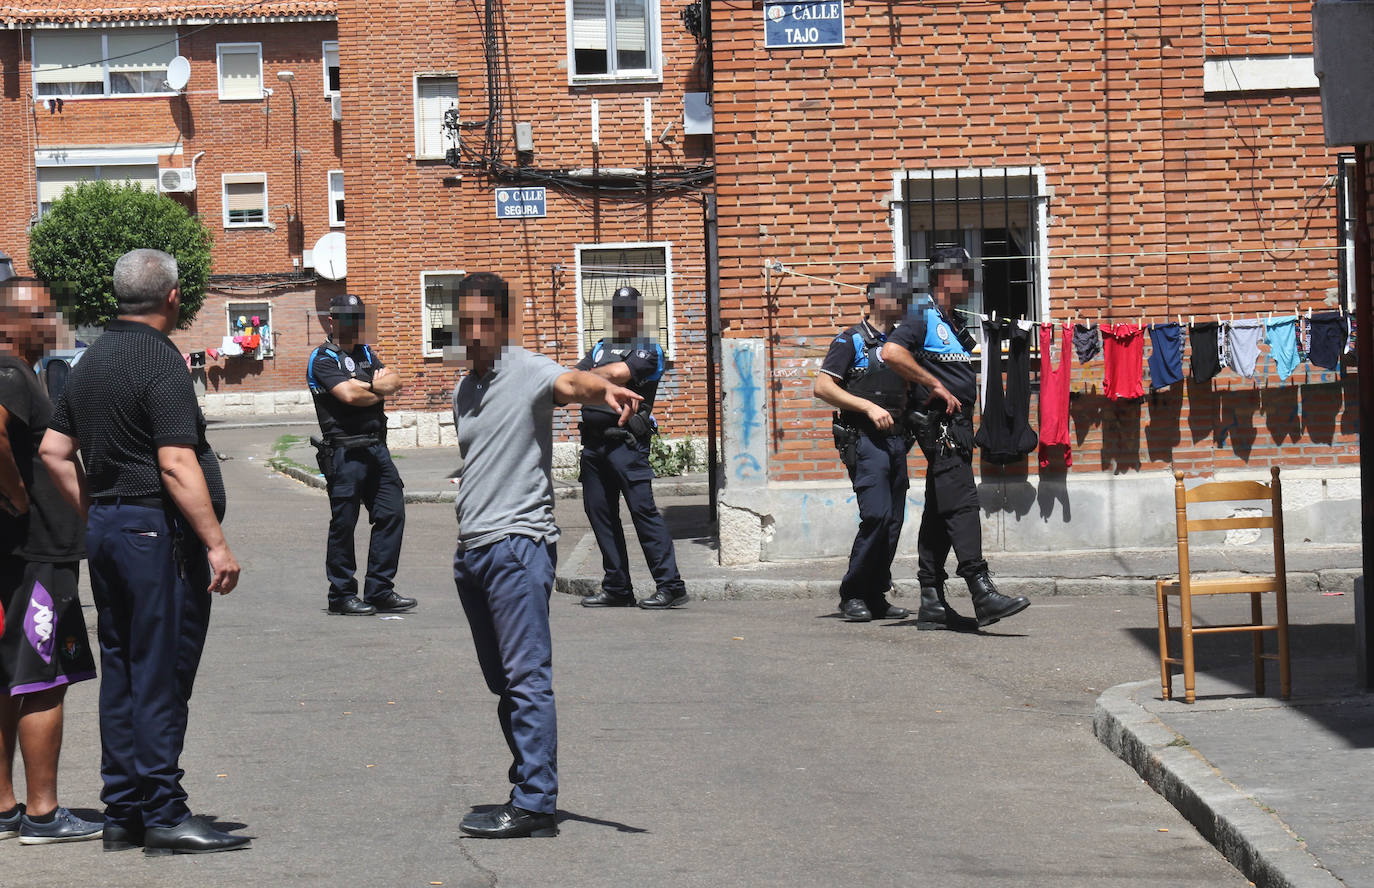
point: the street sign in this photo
(795, 25)
(521, 203)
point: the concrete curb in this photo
(1256, 841)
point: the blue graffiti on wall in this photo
(747, 409)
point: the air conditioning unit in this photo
(176, 179)
(336, 106)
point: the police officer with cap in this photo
(870, 399)
(933, 341)
(350, 386)
(615, 463)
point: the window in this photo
(119, 61)
(435, 94)
(998, 215)
(331, 67)
(240, 71)
(245, 200)
(250, 327)
(1345, 221)
(604, 268)
(613, 39)
(53, 181)
(439, 304)
(336, 198)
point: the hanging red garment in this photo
(1123, 351)
(1054, 395)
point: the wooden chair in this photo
(1188, 586)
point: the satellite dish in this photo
(329, 256)
(178, 73)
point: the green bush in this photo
(671, 459)
(74, 246)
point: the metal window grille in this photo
(604, 271)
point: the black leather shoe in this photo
(392, 603)
(855, 611)
(352, 607)
(662, 600)
(191, 836)
(990, 605)
(121, 838)
(509, 822)
(609, 599)
(885, 611)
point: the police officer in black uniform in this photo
(615, 463)
(932, 340)
(871, 401)
(350, 385)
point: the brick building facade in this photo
(1136, 161)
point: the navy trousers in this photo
(504, 588)
(950, 519)
(364, 476)
(880, 485)
(150, 579)
(610, 470)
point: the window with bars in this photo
(435, 94)
(240, 71)
(995, 214)
(439, 305)
(250, 327)
(83, 62)
(602, 269)
(245, 200)
(611, 39)
(1345, 229)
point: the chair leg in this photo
(1186, 622)
(1285, 674)
(1257, 642)
(1162, 603)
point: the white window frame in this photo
(447, 140)
(225, 180)
(238, 48)
(325, 46)
(335, 222)
(104, 64)
(669, 347)
(257, 307)
(654, 47)
(100, 169)
(1345, 201)
(426, 348)
(1041, 210)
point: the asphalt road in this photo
(760, 743)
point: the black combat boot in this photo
(991, 605)
(935, 612)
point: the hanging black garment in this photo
(1006, 436)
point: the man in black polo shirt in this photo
(350, 386)
(932, 339)
(153, 498)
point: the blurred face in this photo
(625, 323)
(348, 328)
(951, 287)
(888, 308)
(28, 320)
(481, 329)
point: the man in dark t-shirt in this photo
(350, 385)
(153, 496)
(931, 338)
(45, 646)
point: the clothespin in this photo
(994, 317)
(1191, 320)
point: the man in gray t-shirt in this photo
(504, 566)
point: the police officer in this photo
(615, 463)
(870, 399)
(350, 385)
(933, 340)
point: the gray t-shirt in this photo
(505, 436)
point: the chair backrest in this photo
(1229, 492)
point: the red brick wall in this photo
(235, 136)
(1163, 201)
(410, 221)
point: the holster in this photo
(846, 442)
(324, 456)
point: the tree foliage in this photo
(75, 245)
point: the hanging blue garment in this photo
(1166, 355)
(1281, 335)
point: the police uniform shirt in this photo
(847, 351)
(51, 530)
(331, 365)
(129, 395)
(933, 339)
(644, 357)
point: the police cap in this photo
(950, 259)
(626, 298)
(344, 304)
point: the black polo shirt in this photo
(129, 395)
(51, 530)
(331, 364)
